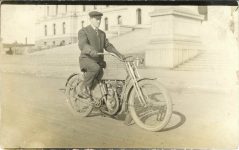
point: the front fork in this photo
(134, 76)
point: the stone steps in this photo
(207, 61)
(206, 69)
(197, 67)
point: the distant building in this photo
(16, 48)
(59, 24)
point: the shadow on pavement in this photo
(181, 121)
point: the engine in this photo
(113, 94)
(114, 88)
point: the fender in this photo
(128, 90)
(72, 75)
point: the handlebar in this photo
(113, 54)
(140, 60)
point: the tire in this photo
(78, 106)
(159, 106)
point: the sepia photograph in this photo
(119, 76)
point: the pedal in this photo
(96, 103)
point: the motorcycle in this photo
(146, 99)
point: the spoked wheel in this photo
(79, 106)
(157, 112)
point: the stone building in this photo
(59, 24)
(179, 37)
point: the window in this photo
(232, 26)
(53, 43)
(83, 8)
(56, 9)
(82, 24)
(54, 29)
(202, 10)
(66, 8)
(48, 10)
(95, 7)
(64, 28)
(106, 5)
(119, 20)
(106, 24)
(138, 16)
(45, 30)
(45, 43)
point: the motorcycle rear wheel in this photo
(78, 106)
(158, 110)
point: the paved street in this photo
(34, 113)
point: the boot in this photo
(84, 92)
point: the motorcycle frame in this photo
(131, 82)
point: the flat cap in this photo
(95, 14)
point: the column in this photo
(175, 36)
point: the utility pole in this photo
(1, 44)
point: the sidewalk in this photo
(175, 80)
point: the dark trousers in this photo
(93, 72)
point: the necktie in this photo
(97, 33)
(96, 30)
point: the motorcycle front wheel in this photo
(78, 106)
(157, 112)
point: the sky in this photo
(18, 22)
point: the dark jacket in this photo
(89, 41)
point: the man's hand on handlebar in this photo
(93, 53)
(121, 56)
(118, 55)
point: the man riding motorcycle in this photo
(91, 41)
